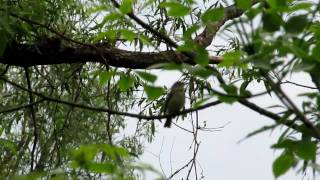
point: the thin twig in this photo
(33, 117)
(296, 84)
(21, 107)
(100, 109)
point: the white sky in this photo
(220, 155)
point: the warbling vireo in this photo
(174, 102)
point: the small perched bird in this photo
(174, 102)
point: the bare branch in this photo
(20, 107)
(101, 109)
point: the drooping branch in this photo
(103, 109)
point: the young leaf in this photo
(282, 164)
(104, 77)
(243, 4)
(125, 82)
(147, 76)
(231, 59)
(271, 22)
(296, 24)
(202, 57)
(200, 71)
(227, 99)
(212, 15)
(306, 150)
(127, 34)
(176, 9)
(126, 6)
(153, 92)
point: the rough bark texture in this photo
(30, 55)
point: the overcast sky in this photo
(221, 156)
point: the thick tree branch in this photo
(27, 55)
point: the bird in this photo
(174, 102)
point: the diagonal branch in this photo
(206, 37)
(148, 27)
(21, 107)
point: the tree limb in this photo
(25, 55)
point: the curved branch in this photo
(206, 37)
(110, 111)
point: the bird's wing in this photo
(169, 95)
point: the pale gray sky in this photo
(220, 155)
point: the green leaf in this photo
(147, 76)
(125, 82)
(306, 150)
(231, 59)
(227, 99)
(263, 62)
(296, 24)
(200, 71)
(277, 3)
(288, 144)
(8, 145)
(316, 52)
(301, 6)
(303, 66)
(101, 167)
(230, 89)
(128, 34)
(104, 77)
(282, 164)
(187, 35)
(202, 56)
(176, 9)
(271, 22)
(188, 46)
(243, 4)
(112, 17)
(100, 36)
(252, 13)
(243, 91)
(126, 6)
(212, 15)
(153, 92)
(145, 39)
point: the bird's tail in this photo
(167, 124)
